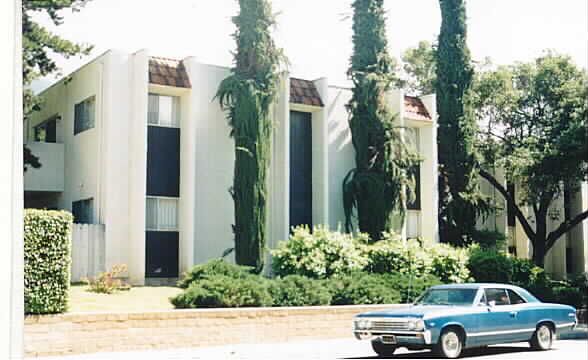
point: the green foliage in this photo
(362, 288)
(319, 254)
(247, 95)
(324, 253)
(38, 44)
(108, 282)
(47, 258)
(393, 255)
(419, 66)
(489, 239)
(381, 183)
(490, 265)
(459, 200)
(296, 290)
(224, 291)
(535, 116)
(213, 268)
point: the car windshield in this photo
(447, 297)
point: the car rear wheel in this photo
(450, 344)
(383, 350)
(542, 338)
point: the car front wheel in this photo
(542, 338)
(383, 350)
(450, 344)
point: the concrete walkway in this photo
(347, 348)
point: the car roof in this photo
(474, 286)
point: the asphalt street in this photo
(342, 349)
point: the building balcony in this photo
(50, 176)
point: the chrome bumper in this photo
(403, 337)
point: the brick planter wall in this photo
(77, 333)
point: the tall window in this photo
(163, 110)
(47, 130)
(413, 139)
(84, 115)
(83, 211)
(161, 214)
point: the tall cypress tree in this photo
(378, 185)
(247, 94)
(458, 200)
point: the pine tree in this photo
(459, 202)
(247, 95)
(379, 184)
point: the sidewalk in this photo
(292, 350)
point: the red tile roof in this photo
(304, 92)
(415, 108)
(168, 72)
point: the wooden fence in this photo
(87, 251)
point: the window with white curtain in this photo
(161, 214)
(163, 110)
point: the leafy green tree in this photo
(248, 94)
(419, 67)
(38, 45)
(380, 183)
(459, 201)
(534, 117)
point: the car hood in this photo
(418, 311)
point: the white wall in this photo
(11, 181)
(214, 158)
(50, 176)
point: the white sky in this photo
(316, 36)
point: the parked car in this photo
(450, 318)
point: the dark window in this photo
(569, 260)
(510, 188)
(497, 295)
(515, 298)
(161, 254)
(83, 211)
(47, 131)
(84, 115)
(300, 169)
(163, 161)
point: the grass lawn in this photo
(146, 298)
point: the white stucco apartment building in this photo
(139, 144)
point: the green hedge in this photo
(234, 286)
(213, 268)
(47, 259)
(323, 254)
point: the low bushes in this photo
(212, 268)
(241, 288)
(224, 291)
(47, 258)
(323, 254)
(296, 290)
(320, 254)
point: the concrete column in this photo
(578, 236)
(11, 183)
(138, 165)
(429, 176)
(279, 177)
(320, 157)
(187, 177)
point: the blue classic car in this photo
(450, 318)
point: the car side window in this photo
(515, 298)
(499, 296)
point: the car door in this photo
(523, 319)
(496, 325)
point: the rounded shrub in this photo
(488, 265)
(296, 290)
(362, 288)
(318, 254)
(214, 268)
(224, 291)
